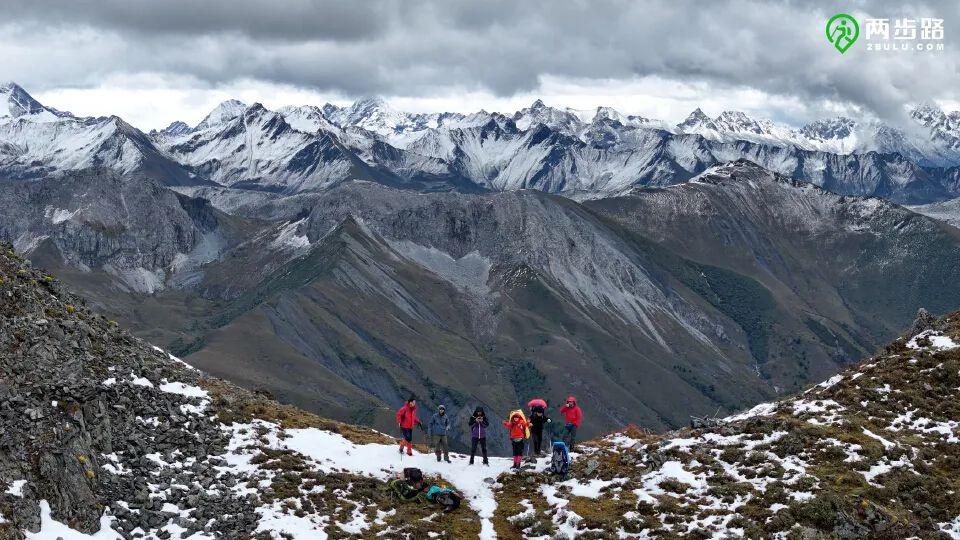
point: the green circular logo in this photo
(842, 31)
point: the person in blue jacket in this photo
(439, 429)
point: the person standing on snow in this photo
(478, 434)
(519, 431)
(406, 419)
(438, 430)
(572, 416)
(539, 422)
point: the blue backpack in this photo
(448, 498)
(560, 462)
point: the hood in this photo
(479, 410)
(571, 398)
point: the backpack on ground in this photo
(560, 462)
(404, 490)
(413, 475)
(448, 498)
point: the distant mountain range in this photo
(308, 148)
(342, 258)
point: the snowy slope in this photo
(240, 145)
(581, 154)
(36, 140)
(858, 456)
(866, 439)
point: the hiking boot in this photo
(471, 462)
(487, 463)
(447, 460)
(438, 459)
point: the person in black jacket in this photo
(539, 422)
(478, 434)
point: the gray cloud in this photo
(419, 47)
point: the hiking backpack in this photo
(560, 462)
(404, 490)
(448, 498)
(413, 475)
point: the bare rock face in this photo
(131, 228)
(924, 321)
(81, 403)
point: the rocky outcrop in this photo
(134, 229)
(106, 434)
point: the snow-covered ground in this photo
(710, 477)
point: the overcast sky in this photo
(152, 62)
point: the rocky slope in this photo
(872, 452)
(108, 437)
(143, 236)
(105, 434)
(38, 141)
(651, 306)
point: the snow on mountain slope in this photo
(138, 444)
(306, 118)
(138, 232)
(251, 146)
(37, 140)
(564, 121)
(947, 211)
(15, 102)
(935, 140)
(158, 449)
(868, 453)
(309, 148)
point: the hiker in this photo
(478, 434)
(438, 430)
(406, 419)
(539, 421)
(519, 431)
(572, 416)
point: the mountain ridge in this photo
(122, 439)
(297, 149)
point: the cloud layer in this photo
(419, 49)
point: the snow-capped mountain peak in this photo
(15, 102)
(829, 129)
(738, 122)
(563, 120)
(609, 113)
(176, 128)
(696, 122)
(222, 113)
(307, 118)
(371, 113)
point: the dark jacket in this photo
(478, 428)
(541, 424)
(439, 425)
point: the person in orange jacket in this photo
(572, 416)
(406, 419)
(518, 427)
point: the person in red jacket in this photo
(572, 416)
(517, 425)
(406, 419)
